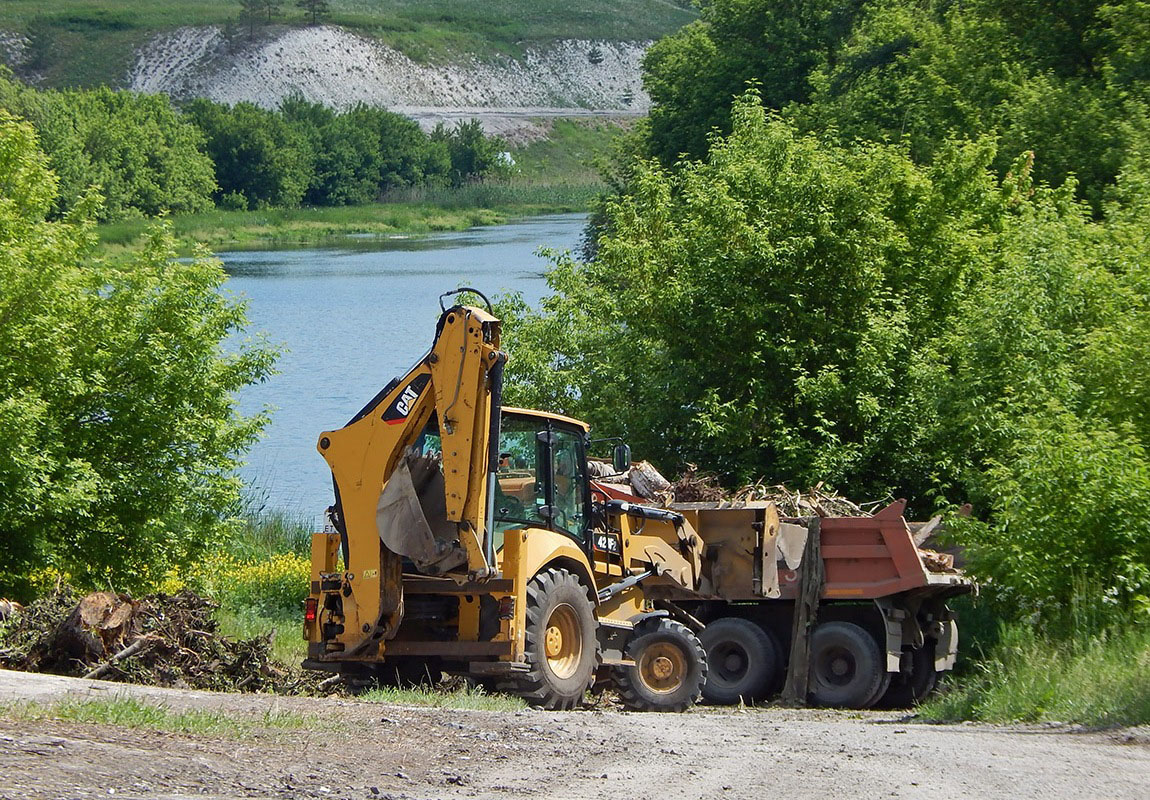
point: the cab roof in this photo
(531, 412)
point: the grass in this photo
(129, 712)
(288, 645)
(1092, 678)
(466, 698)
(88, 42)
(262, 537)
(570, 150)
(414, 211)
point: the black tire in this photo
(561, 648)
(742, 661)
(847, 666)
(670, 667)
(909, 690)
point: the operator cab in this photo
(542, 478)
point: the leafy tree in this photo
(1053, 78)
(143, 155)
(473, 154)
(251, 13)
(799, 310)
(694, 74)
(257, 154)
(117, 418)
(315, 9)
(348, 161)
(759, 313)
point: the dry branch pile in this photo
(159, 640)
(701, 487)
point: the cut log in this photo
(648, 483)
(99, 625)
(9, 609)
(811, 581)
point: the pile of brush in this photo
(159, 640)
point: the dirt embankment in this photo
(339, 68)
(367, 750)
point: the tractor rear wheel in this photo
(847, 666)
(670, 667)
(742, 661)
(561, 649)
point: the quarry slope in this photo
(340, 68)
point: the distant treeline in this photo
(147, 156)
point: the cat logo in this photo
(405, 400)
(401, 408)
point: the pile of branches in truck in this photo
(694, 486)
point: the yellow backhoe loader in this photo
(470, 543)
(471, 538)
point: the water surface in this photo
(351, 318)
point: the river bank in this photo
(413, 212)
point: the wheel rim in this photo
(729, 662)
(662, 667)
(562, 642)
(837, 666)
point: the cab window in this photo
(519, 483)
(568, 471)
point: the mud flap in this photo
(946, 651)
(402, 517)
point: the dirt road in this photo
(367, 750)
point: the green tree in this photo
(760, 313)
(145, 157)
(694, 75)
(251, 14)
(474, 155)
(314, 9)
(257, 154)
(118, 429)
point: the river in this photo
(350, 318)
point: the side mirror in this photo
(622, 459)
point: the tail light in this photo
(507, 607)
(310, 610)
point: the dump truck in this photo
(472, 538)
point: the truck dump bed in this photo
(751, 553)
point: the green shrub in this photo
(1095, 678)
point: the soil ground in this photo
(370, 750)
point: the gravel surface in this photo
(369, 750)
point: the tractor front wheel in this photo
(670, 667)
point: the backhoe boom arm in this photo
(392, 500)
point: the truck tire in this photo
(742, 661)
(561, 648)
(908, 690)
(670, 667)
(847, 666)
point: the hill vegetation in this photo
(87, 43)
